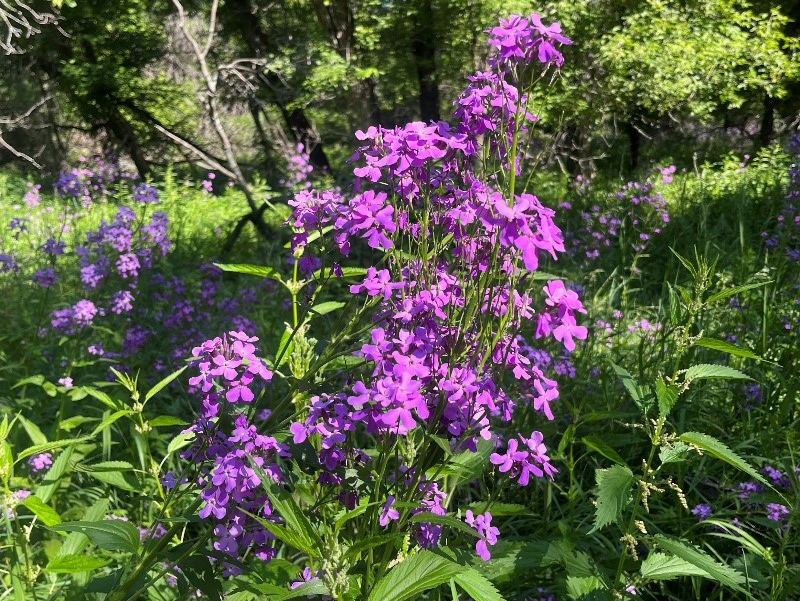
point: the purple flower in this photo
(388, 512)
(482, 523)
(84, 312)
(45, 277)
(703, 511)
(40, 462)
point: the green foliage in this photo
(613, 494)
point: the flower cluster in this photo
(786, 234)
(487, 534)
(229, 370)
(632, 216)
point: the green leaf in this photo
(71, 423)
(104, 398)
(707, 370)
(76, 541)
(166, 420)
(613, 491)
(200, 574)
(34, 433)
(106, 423)
(180, 441)
(499, 508)
(419, 573)
(715, 448)
(660, 566)
(72, 564)
(477, 586)
(674, 453)
(365, 544)
(442, 520)
(327, 307)
(726, 347)
(158, 387)
(311, 589)
(44, 512)
(294, 518)
(597, 444)
(6, 462)
(347, 272)
(284, 347)
(52, 479)
(112, 535)
(720, 572)
(640, 394)
(685, 262)
(585, 587)
(50, 446)
(260, 270)
(734, 290)
(667, 397)
(36, 380)
(114, 473)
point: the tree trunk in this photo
(423, 47)
(280, 94)
(634, 141)
(767, 122)
(121, 129)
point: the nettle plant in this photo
(642, 502)
(345, 454)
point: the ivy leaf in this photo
(419, 573)
(722, 573)
(715, 448)
(112, 535)
(613, 488)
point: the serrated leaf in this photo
(50, 446)
(478, 587)
(660, 566)
(726, 347)
(44, 512)
(419, 573)
(718, 449)
(707, 370)
(581, 587)
(73, 564)
(674, 453)
(259, 270)
(110, 419)
(667, 397)
(597, 444)
(720, 572)
(6, 462)
(112, 535)
(158, 387)
(613, 491)
(734, 290)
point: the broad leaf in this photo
(158, 387)
(52, 478)
(112, 535)
(720, 572)
(165, 420)
(327, 307)
(72, 564)
(709, 371)
(597, 444)
(733, 291)
(76, 541)
(34, 433)
(660, 566)
(726, 347)
(260, 270)
(477, 586)
(715, 448)
(44, 512)
(419, 573)
(613, 491)
(667, 397)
